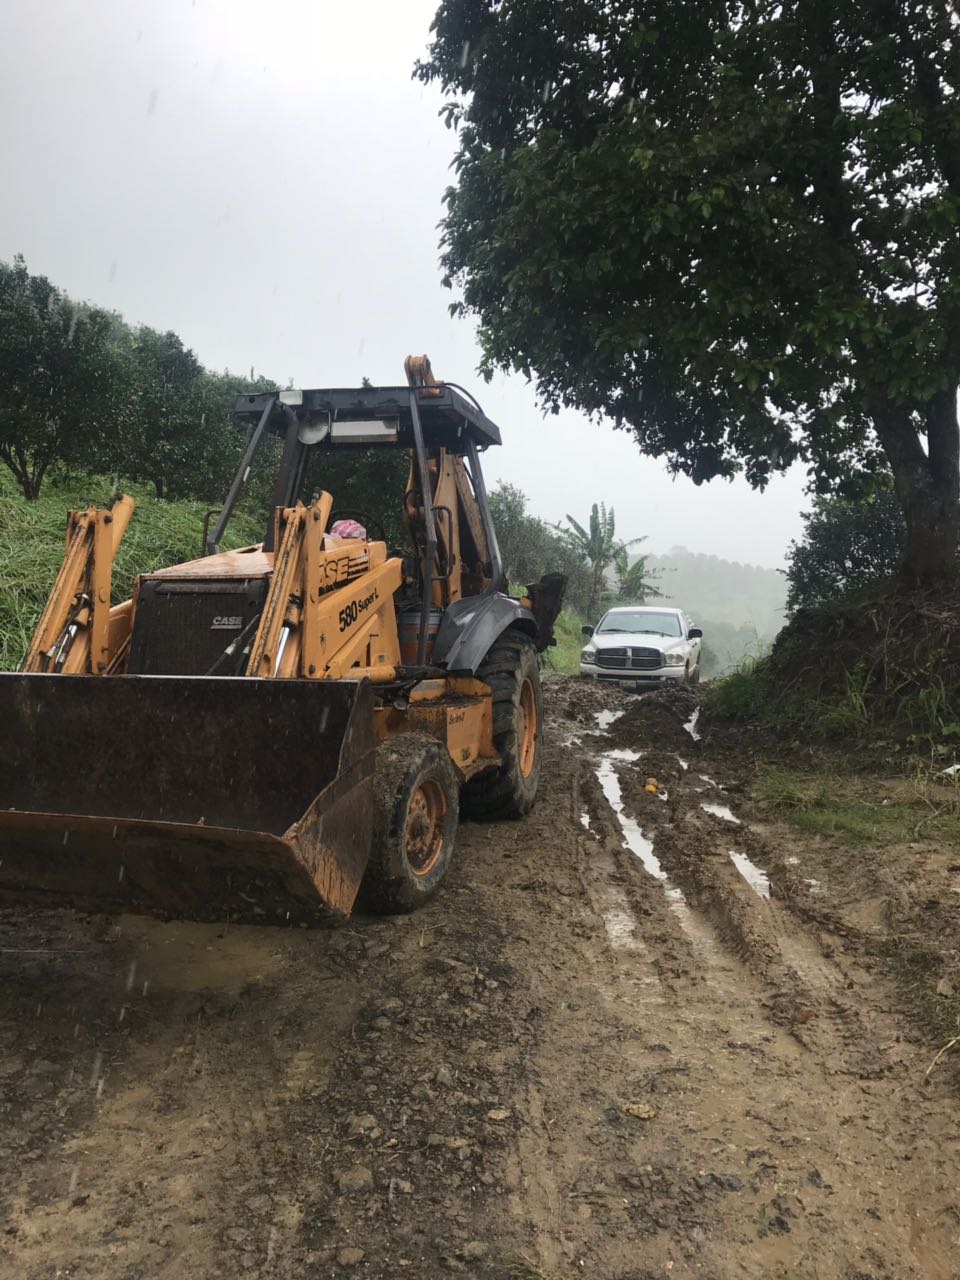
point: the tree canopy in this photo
(733, 229)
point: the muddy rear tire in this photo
(416, 798)
(513, 673)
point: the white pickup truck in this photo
(643, 645)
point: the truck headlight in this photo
(589, 657)
(674, 659)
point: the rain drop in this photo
(120, 876)
(464, 53)
(74, 1179)
(95, 1072)
(152, 101)
(131, 974)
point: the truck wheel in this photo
(416, 798)
(509, 790)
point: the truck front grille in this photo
(630, 659)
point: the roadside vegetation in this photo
(876, 815)
(32, 538)
(923, 805)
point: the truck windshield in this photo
(653, 624)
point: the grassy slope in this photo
(32, 546)
(566, 655)
(863, 812)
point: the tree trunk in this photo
(29, 479)
(928, 488)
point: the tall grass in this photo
(32, 543)
(565, 656)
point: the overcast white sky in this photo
(265, 178)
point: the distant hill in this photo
(739, 606)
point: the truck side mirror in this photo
(586, 632)
(695, 633)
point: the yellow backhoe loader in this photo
(263, 734)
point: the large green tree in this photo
(730, 227)
(59, 378)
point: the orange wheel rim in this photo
(424, 841)
(528, 728)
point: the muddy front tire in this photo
(416, 798)
(512, 672)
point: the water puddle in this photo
(633, 836)
(606, 718)
(755, 876)
(642, 847)
(814, 886)
(184, 956)
(721, 811)
(626, 754)
(682, 763)
(691, 725)
(710, 782)
(585, 820)
(621, 927)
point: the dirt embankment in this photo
(609, 1048)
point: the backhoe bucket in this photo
(200, 797)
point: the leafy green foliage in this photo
(598, 546)
(742, 694)
(529, 547)
(81, 391)
(634, 579)
(60, 378)
(732, 230)
(178, 432)
(846, 547)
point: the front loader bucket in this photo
(200, 797)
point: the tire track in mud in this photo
(763, 969)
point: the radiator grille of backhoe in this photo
(181, 628)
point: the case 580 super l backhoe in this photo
(258, 734)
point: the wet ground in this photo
(637, 1035)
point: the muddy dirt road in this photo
(604, 1050)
